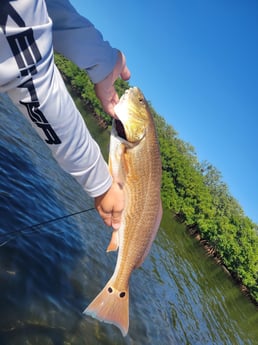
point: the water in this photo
(48, 275)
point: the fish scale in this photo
(135, 164)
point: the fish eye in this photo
(122, 294)
(110, 290)
(141, 100)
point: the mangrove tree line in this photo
(194, 191)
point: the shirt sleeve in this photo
(76, 38)
(36, 87)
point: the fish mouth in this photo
(120, 129)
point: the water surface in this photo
(49, 274)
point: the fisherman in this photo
(30, 78)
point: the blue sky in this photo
(196, 61)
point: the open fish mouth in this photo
(120, 129)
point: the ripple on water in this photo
(49, 274)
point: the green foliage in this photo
(194, 191)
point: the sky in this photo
(196, 61)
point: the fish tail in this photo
(111, 306)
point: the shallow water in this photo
(49, 274)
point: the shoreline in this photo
(192, 230)
(211, 252)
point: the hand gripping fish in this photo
(135, 163)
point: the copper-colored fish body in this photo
(135, 164)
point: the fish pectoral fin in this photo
(114, 242)
(111, 306)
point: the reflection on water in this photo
(51, 273)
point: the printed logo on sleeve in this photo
(27, 55)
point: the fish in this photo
(135, 164)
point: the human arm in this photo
(76, 38)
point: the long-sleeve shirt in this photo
(76, 38)
(29, 76)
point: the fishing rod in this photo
(32, 228)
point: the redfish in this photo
(135, 164)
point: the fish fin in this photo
(110, 166)
(111, 306)
(156, 228)
(126, 163)
(114, 243)
(115, 164)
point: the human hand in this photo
(110, 206)
(105, 90)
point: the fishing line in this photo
(33, 228)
